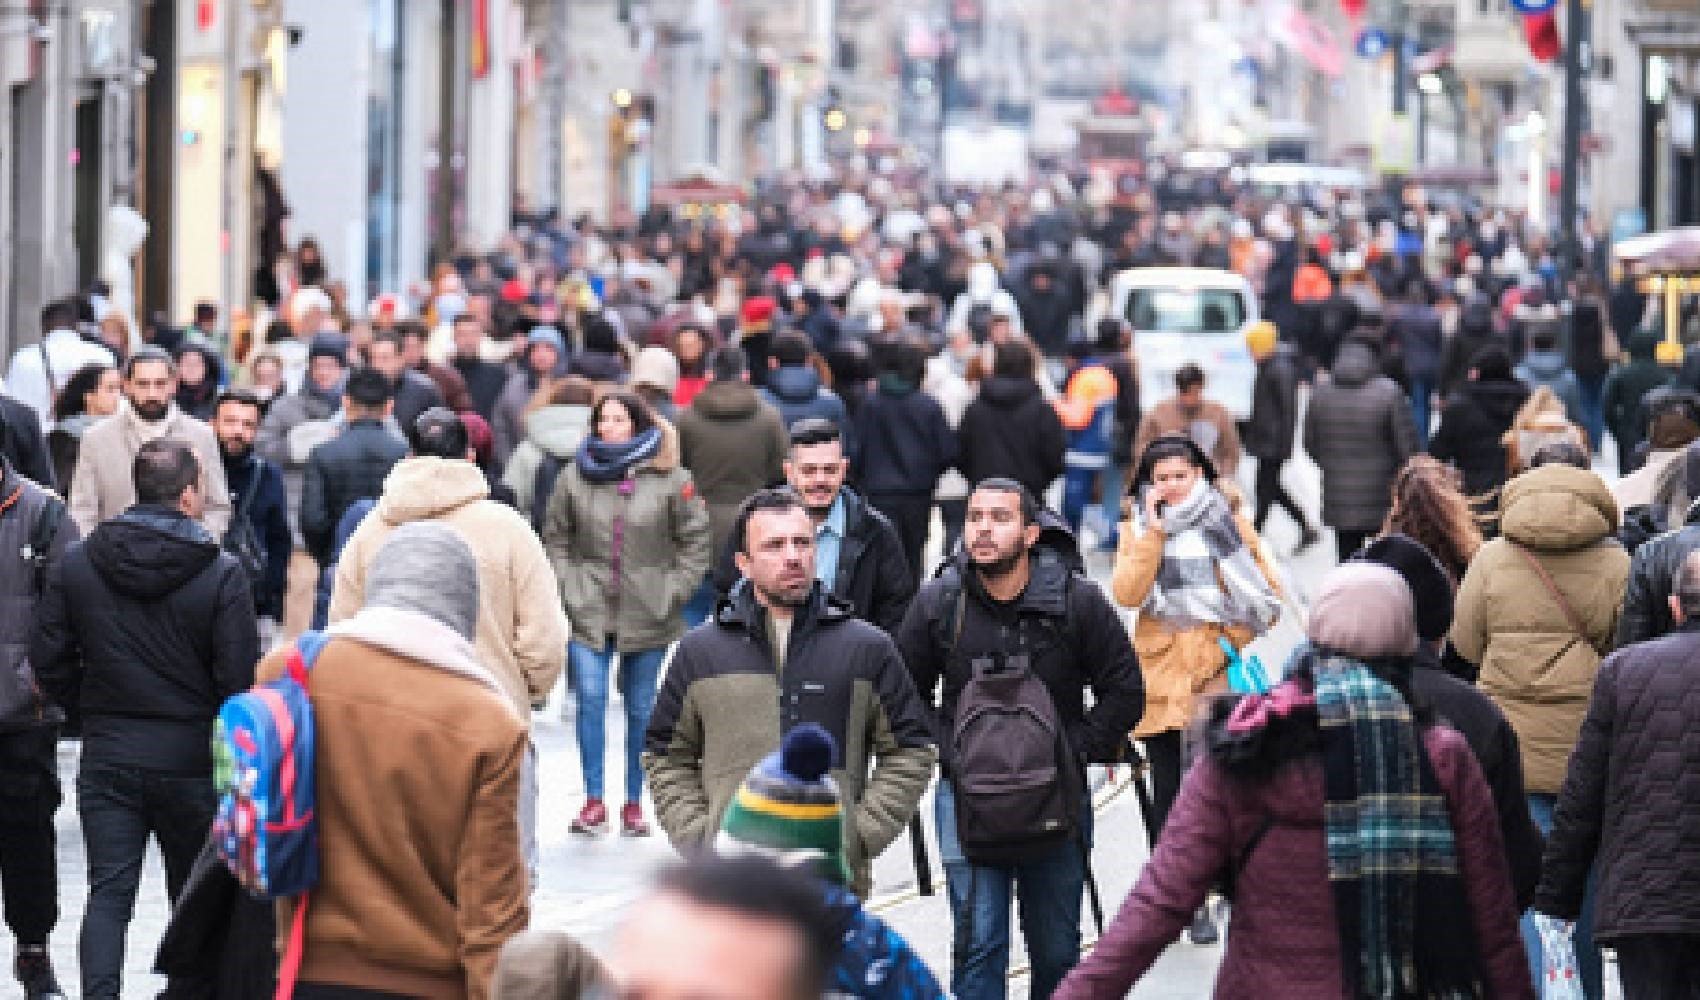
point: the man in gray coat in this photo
(1359, 431)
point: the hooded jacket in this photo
(795, 391)
(1358, 429)
(903, 443)
(1472, 428)
(103, 487)
(1268, 435)
(1550, 369)
(733, 444)
(20, 707)
(521, 635)
(1011, 430)
(146, 626)
(723, 706)
(555, 432)
(1627, 385)
(1534, 665)
(344, 469)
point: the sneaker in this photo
(632, 823)
(1203, 929)
(592, 820)
(35, 971)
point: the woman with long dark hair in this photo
(1430, 508)
(91, 394)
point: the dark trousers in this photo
(1659, 966)
(121, 807)
(1347, 542)
(911, 514)
(1270, 493)
(29, 868)
(1164, 753)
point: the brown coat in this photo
(1168, 418)
(422, 878)
(1179, 664)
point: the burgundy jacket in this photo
(1282, 941)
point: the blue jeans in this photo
(1591, 391)
(1078, 483)
(120, 808)
(1587, 953)
(700, 605)
(638, 674)
(1422, 391)
(1048, 892)
(1110, 502)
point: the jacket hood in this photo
(1499, 400)
(1545, 365)
(147, 552)
(727, 400)
(419, 638)
(424, 487)
(558, 429)
(1557, 508)
(740, 610)
(1355, 364)
(1008, 393)
(794, 383)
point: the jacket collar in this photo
(1047, 582)
(740, 610)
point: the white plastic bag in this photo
(1560, 979)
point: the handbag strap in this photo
(1557, 595)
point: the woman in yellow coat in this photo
(1196, 571)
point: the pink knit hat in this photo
(1363, 610)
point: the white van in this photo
(1189, 314)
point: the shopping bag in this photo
(1560, 979)
(1245, 673)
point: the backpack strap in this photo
(308, 645)
(47, 521)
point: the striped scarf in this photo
(1404, 924)
(1207, 574)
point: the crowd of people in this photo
(816, 485)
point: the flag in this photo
(480, 56)
(1541, 31)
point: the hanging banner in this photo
(480, 58)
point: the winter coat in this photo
(659, 565)
(270, 521)
(450, 385)
(873, 574)
(342, 470)
(1471, 430)
(1533, 664)
(733, 444)
(1167, 417)
(1548, 368)
(1646, 606)
(1476, 332)
(1629, 807)
(272, 443)
(903, 443)
(555, 432)
(1358, 429)
(22, 444)
(1627, 385)
(522, 636)
(1285, 942)
(64, 441)
(1071, 633)
(507, 426)
(103, 486)
(419, 771)
(723, 706)
(598, 366)
(1274, 419)
(414, 394)
(795, 391)
(20, 707)
(146, 626)
(1011, 430)
(1179, 664)
(1415, 336)
(1588, 340)
(220, 940)
(484, 380)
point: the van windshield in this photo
(1186, 310)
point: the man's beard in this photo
(235, 451)
(150, 411)
(783, 599)
(1000, 567)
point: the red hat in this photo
(782, 273)
(513, 290)
(758, 310)
(478, 434)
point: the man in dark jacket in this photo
(781, 652)
(412, 392)
(484, 379)
(1007, 593)
(1629, 810)
(1472, 427)
(31, 518)
(793, 386)
(1413, 332)
(903, 444)
(22, 443)
(1011, 430)
(1358, 429)
(146, 626)
(1268, 435)
(1046, 311)
(257, 498)
(351, 465)
(858, 558)
(1646, 602)
(1627, 385)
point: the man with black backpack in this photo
(1017, 633)
(34, 533)
(258, 535)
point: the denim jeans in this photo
(1078, 484)
(1048, 892)
(1110, 487)
(120, 808)
(700, 605)
(1422, 392)
(638, 674)
(1591, 390)
(1587, 953)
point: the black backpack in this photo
(543, 488)
(240, 539)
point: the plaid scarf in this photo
(1207, 573)
(1404, 924)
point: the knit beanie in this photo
(327, 345)
(656, 367)
(427, 568)
(1260, 338)
(1363, 610)
(789, 807)
(1431, 589)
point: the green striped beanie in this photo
(788, 807)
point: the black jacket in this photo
(414, 394)
(1465, 708)
(21, 706)
(147, 627)
(1011, 431)
(873, 576)
(484, 383)
(342, 470)
(1646, 610)
(1475, 419)
(903, 443)
(21, 441)
(1268, 435)
(1630, 806)
(268, 513)
(1062, 621)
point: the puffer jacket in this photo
(344, 469)
(1358, 429)
(795, 391)
(733, 444)
(1179, 664)
(1630, 807)
(555, 431)
(21, 706)
(1534, 665)
(272, 443)
(1472, 429)
(1284, 941)
(634, 593)
(1646, 605)
(1012, 431)
(521, 633)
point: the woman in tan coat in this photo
(1196, 571)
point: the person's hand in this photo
(1153, 509)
